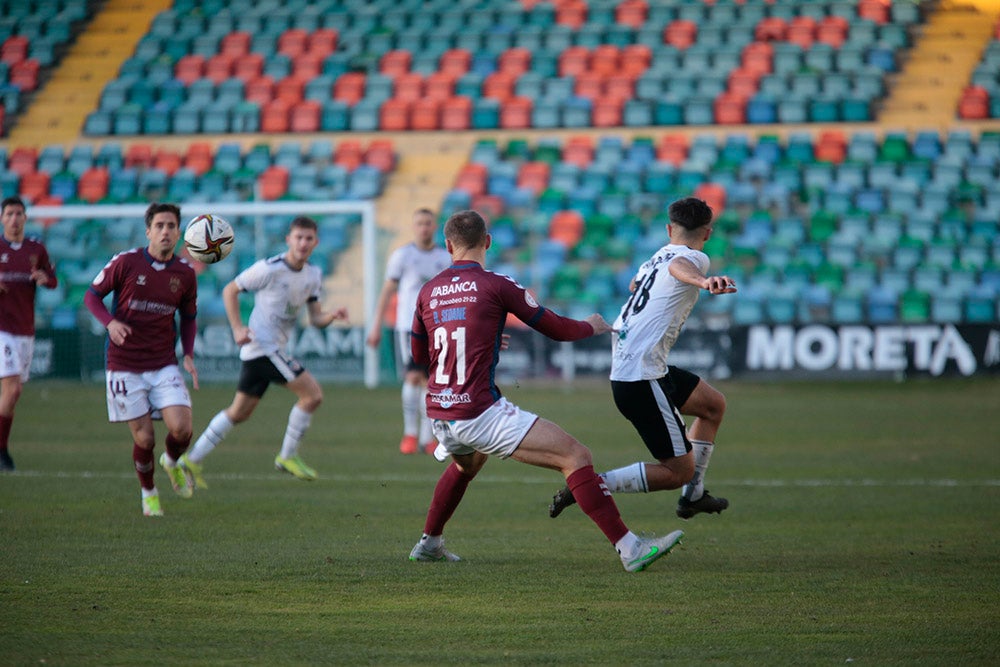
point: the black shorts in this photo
(683, 382)
(649, 405)
(257, 374)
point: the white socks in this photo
(694, 489)
(630, 479)
(626, 545)
(216, 430)
(412, 398)
(298, 423)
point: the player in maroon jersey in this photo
(24, 265)
(458, 330)
(151, 285)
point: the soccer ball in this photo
(209, 238)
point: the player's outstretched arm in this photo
(323, 318)
(685, 271)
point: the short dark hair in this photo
(424, 211)
(690, 213)
(12, 201)
(304, 222)
(160, 207)
(466, 229)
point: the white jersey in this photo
(411, 267)
(279, 294)
(651, 319)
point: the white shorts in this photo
(132, 395)
(16, 354)
(497, 431)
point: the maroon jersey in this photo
(17, 300)
(147, 295)
(457, 329)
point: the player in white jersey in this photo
(408, 268)
(651, 394)
(281, 285)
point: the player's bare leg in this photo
(708, 406)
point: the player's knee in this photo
(182, 434)
(311, 402)
(579, 456)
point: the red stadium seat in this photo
(802, 31)
(290, 89)
(515, 113)
(409, 87)
(632, 13)
(472, 178)
(572, 14)
(743, 82)
(189, 69)
(24, 74)
(293, 42)
(729, 108)
(673, 148)
(349, 88)
(712, 194)
(515, 61)
(490, 206)
(322, 42)
(605, 60)
(259, 90)
(248, 67)
(426, 114)
(168, 161)
(34, 185)
(455, 62)
(566, 227)
(579, 150)
(758, 58)
(235, 44)
(573, 61)
(273, 183)
(534, 176)
(395, 63)
(139, 155)
(439, 86)
(635, 60)
(607, 112)
(220, 67)
(771, 29)
(93, 185)
(832, 30)
(974, 103)
(348, 154)
(274, 116)
(874, 10)
(381, 155)
(307, 66)
(305, 116)
(14, 49)
(681, 33)
(499, 86)
(456, 113)
(394, 114)
(619, 88)
(199, 157)
(589, 85)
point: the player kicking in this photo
(281, 285)
(150, 286)
(24, 266)
(457, 330)
(646, 390)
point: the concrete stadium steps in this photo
(58, 111)
(948, 49)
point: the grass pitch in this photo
(864, 527)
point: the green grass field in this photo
(864, 527)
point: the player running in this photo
(457, 330)
(281, 285)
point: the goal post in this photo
(257, 210)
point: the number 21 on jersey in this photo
(441, 343)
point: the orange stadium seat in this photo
(515, 113)
(490, 206)
(499, 86)
(274, 116)
(14, 49)
(305, 116)
(93, 185)
(293, 42)
(573, 61)
(874, 10)
(34, 185)
(219, 67)
(396, 62)
(730, 108)
(409, 86)
(199, 157)
(426, 114)
(974, 103)
(456, 113)
(832, 30)
(273, 182)
(235, 44)
(673, 148)
(455, 61)
(681, 33)
(802, 31)
(743, 82)
(589, 85)
(139, 155)
(349, 88)
(635, 59)
(307, 66)
(572, 14)
(758, 58)
(578, 150)
(771, 29)
(534, 176)
(168, 161)
(632, 13)
(439, 86)
(248, 67)
(290, 89)
(607, 112)
(380, 155)
(189, 68)
(515, 61)
(24, 74)
(472, 179)
(394, 114)
(323, 41)
(712, 194)
(566, 227)
(260, 91)
(619, 88)
(348, 154)
(605, 60)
